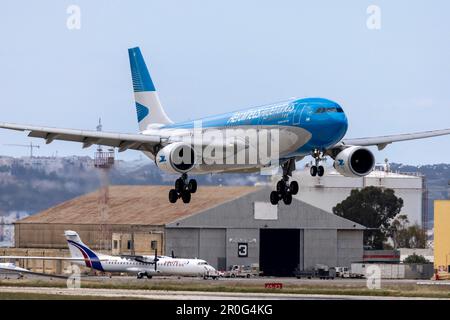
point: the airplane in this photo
(140, 265)
(304, 127)
(8, 266)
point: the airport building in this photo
(327, 191)
(224, 225)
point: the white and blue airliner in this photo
(305, 127)
(141, 265)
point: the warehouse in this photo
(224, 225)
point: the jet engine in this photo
(354, 162)
(177, 157)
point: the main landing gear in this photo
(140, 275)
(183, 189)
(317, 169)
(285, 190)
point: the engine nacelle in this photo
(177, 157)
(354, 162)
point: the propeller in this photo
(156, 259)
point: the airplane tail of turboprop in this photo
(79, 250)
(150, 112)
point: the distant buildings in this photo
(327, 191)
(7, 227)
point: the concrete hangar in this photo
(224, 225)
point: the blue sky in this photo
(209, 57)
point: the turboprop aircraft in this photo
(140, 265)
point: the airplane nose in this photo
(337, 127)
(340, 121)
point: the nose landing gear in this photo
(183, 189)
(317, 169)
(285, 190)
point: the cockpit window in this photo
(321, 110)
(330, 110)
(202, 263)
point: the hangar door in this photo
(279, 251)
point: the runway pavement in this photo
(187, 295)
(188, 288)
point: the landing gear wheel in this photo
(192, 185)
(285, 190)
(183, 189)
(186, 196)
(293, 187)
(287, 198)
(140, 275)
(317, 169)
(274, 198)
(281, 186)
(149, 276)
(320, 171)
(173, 196)
(179, 185)
(313, 171)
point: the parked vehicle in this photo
(320, 271)
(241, 271)
(212, 274)
(325, 272)
(342, 272)
(346, 272)
(299, 274)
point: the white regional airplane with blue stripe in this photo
(298, 127)
(140, 265)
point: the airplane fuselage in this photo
(165, 266)
(304, 125)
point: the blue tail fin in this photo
(148, 107)
(139, 72)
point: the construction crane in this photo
(31, 146)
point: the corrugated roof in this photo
(144, 205)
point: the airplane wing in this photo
(141, 259)
(49, 258)
(26, 271)
(123, 141)
(19, 270)
(382, 141)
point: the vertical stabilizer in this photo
(79, 250)
(148, 107)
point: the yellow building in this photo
(442, 235)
